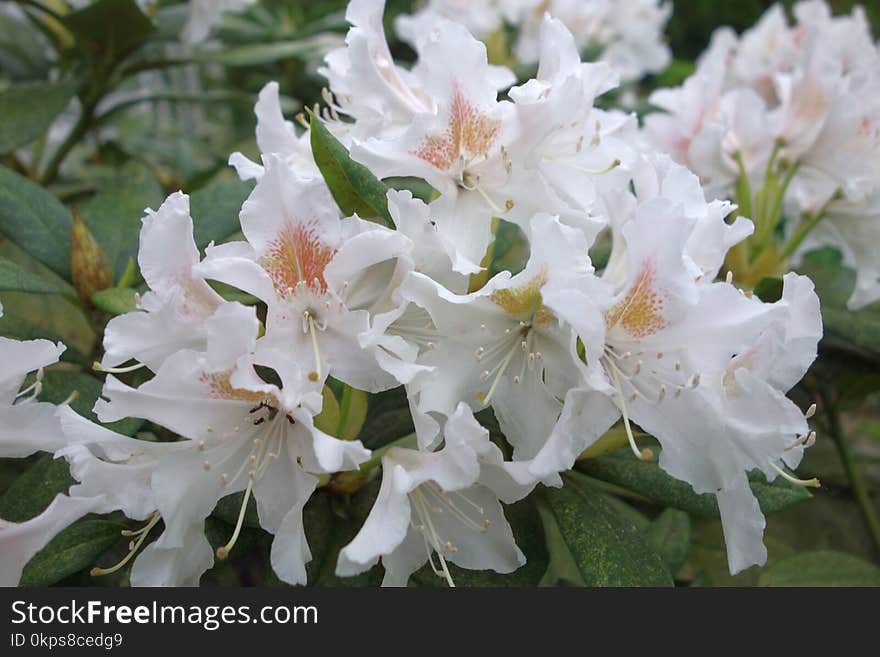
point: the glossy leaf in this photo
(115, 300)
(646, 478)
(72, 550)
(821, 568)
(16, 278)
(355, 189)
(28, 109)
(670, 536)
(606, 547)
(35, 488)
(36, 221)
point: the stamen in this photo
(811, 411)
(223, 551)
(807, 483)
(132, 548)
(116, 370)
(644, 454)
(501, 371)
(316, 374)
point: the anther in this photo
(811, 411)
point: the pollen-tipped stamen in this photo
(224, 550)
(132, 549)
(806, 483)
(642, 454)
(116, 370)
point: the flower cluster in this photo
(628, 34)
(559, 351)
(786, 118)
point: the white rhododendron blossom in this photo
(793, 110)
(628, 34)
(442, 504)
(205, 15)
(516, 279)
(178, 303)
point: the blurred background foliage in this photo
(110, 112)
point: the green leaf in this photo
(229, 507)
(264, 53)
(23, 50)
(605, 546)
(114, 214)
(525, 521)
(58, 385)
(769, 289)
(355, 189)
(36, 221)
(834, 284)
(215, 208)
(28, 110)
(73, 549)
(115, 300)
(109, 29)
(670, 536)
(331, 523)
(646, 478)
(35, 488)
(16, 278)
(821, 568)
(18, 328)
(352, 413)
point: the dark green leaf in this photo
(23, 50)
(355, 189)
(670, 536)
(16, 278)
(36, 221)
(23, 329)
(769, 289)
(647, 479)
(331, 523)
(28, 110)
(109, 29)
(606, 547)
(834, 284)
(58, 385)
(821, 568)
(215, 208)
(115, 300)
(229, 507)
(114, 215)
(35, 488)
(73, 549)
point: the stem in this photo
(743, 188)
(806, 227)
(79, 129)
(853, 473)
(40, 7)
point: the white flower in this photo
(242, 434)
(276, 135)
(26, 425)
(320, 275)
(505, 345)
(668, 363)
(173, 312)
(443, 503)
(794, 110)
(628, 34)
